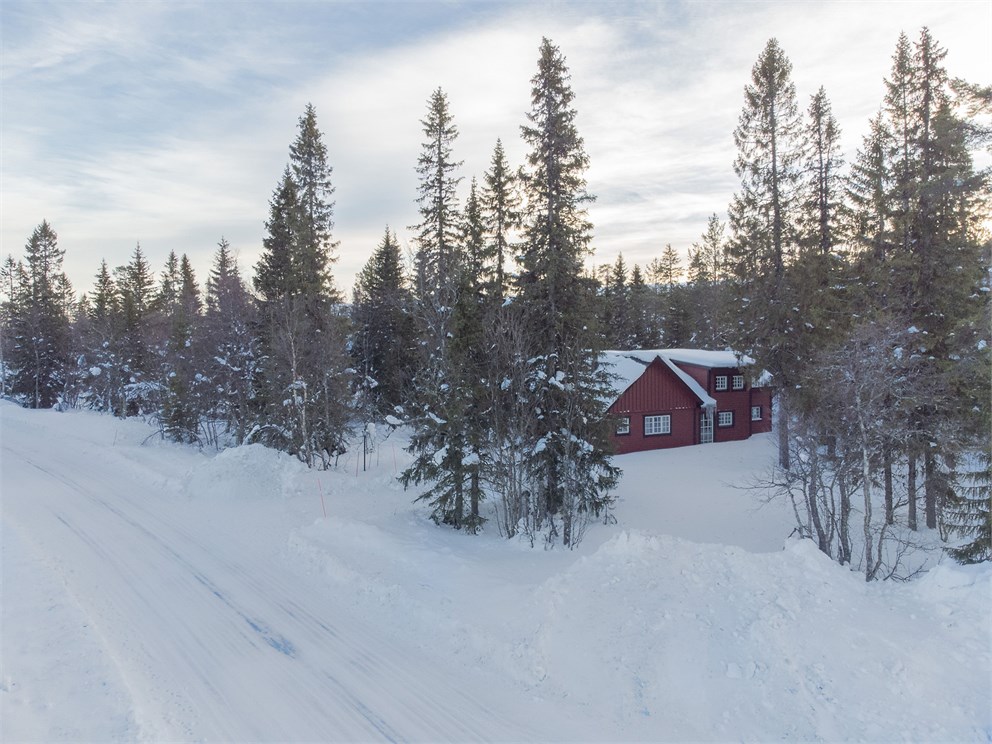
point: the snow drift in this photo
(153, 592)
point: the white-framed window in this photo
(725, 418)
(623, 425)
(738, 382)
(721, 382)
(756, 413)
(657, 425)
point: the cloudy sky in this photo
(169, 123)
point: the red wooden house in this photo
(677, 397)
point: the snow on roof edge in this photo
(695, 387)
(707, 357)
(628, 366)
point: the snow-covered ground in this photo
(152, 592)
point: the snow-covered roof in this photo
(624, 367)
(694, 386)
(705, 358)
(627, 366)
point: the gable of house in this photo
(657, 405)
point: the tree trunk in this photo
(870, 565)
(887, 467)
(844, 553)
(783, 435)
(474, 494)
(911, 490)
(458, 512)
(812, 491)
(931, 487)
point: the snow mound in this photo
(251, 471)
(698, 642)
(949, 577)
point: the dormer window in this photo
(720, 383)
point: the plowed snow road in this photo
(215, 638)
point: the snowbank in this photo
(248, 472)
(209, 597)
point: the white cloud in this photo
(126, 122)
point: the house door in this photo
(706, 426)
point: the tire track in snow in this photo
(275, 641)
(50, 658)
(419, 704)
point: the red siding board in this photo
(657, 391)
(698, 373)
(737, 402)
(762, 397)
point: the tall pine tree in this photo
(39, 322)
(450, 269)
(303, 331)
(764, 227)
(567, 437)
(501, 210)
(231, 356)
(438, 233)
(384, 331)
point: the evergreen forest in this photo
(861, 287)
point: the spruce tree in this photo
(868, 220)
(303, 331)
(385, 335)
(698, 271)
(440, 411)
(817, 273)
(276, 272)
(706, 288)
(99, 334)
(763, 224)
(181, 409)
(671, 301)
(643, 327)
(501, 213)
(224, 279)
(968, 511)
(438, 232)
(39, 320)
(822, 189)
(665, 271)
(136, 337)
(12, 278)
(315, 210)
(168, 288)
(928, 263)
(230, 346)
(616, 326)
(479, 253)
(570, 473)
(710, 249)
(947, 269)
(103, 302)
